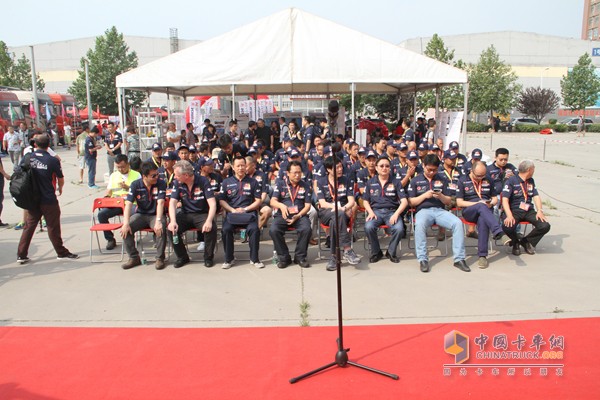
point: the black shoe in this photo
(2, 224)
(516, 249)
(302, 263)
(392, 258)
(284, 263)
(462, 265)
(376, 257)
(425, 267)
(68, 256)
(23, 260)
(111, 244)
(499, 236)
(208, 263)
(529, 249)
(328, 242)
(180, 262)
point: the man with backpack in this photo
(47, 178)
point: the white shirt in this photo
(12, 139)
(174, 135)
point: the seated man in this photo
(344, 196)
(428, 193)
(240, 198)
(518, 197)
(198, 210)
(118, 186)
(148, 193)
(260, 177)
(384, 200)
(476, 196)
(291, 202)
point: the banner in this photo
(449, 125)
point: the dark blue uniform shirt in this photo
(239, 194)
(327, 192)
(468, 190)
(46, 170)
(517, 191)
(146, 200)
(291, 196)
(402, 172)
(384, 197)
(420, 184)
(194, 200)
(498, 174)
(90, 143)
(112, 143)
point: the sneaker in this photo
(201, 246)
(227, 265)
(2, 224)
(482, 262)
(23, 260)
(93, 187)
(68, 256)
(19, 226)
(257, 264)
(331, 264)
(351, 257)
(111, 244)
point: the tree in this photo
(492, 84)
(536, 102)
(385, 105)
(450, 97)
(109, 58)
(581, 87)
(16, 72)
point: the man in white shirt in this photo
(12, 142)
(173, 136)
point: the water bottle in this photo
(275, 260)
(175, 239)
(143, 257)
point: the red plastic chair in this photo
(105, 202)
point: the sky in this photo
(390, 20)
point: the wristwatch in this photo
(245, 209)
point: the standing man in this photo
(48, 175)
(133, 143)
(429, 194)
(229, 151)
(3, 175)
(148, 193)
(12, 142)
(173, 136)
(80, 147)
(476, 196)
(91, 148)
(284, 132)
(198, 210)
(519, 196)
(112, 143)
(328, 194)
(264, 133)
(24, 134)
(118, 186)
(291, 202)
(241, 198)
(384, 201)
(190, 136)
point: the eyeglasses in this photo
(479, 176)
(384, 166)
(153, 176)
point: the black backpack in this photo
(23, 186)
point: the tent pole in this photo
(168, 106)
(437, 107)
(464, 127)
(398, 114)
(232, 101)
(122, 122)
(415, 109)
(352, 87)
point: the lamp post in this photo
(542, 77)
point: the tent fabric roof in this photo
(291, 52)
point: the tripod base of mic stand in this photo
(341, 360)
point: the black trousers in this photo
(327, 217)
(185, 221)
(137, 222)
(277, 231)
(253, 234)
(539, 228)
(52, 214)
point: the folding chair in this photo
(321, 229)
(105, 202)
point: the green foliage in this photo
(492, 84)
(16, 72)
(552, 121)
(450, 97)
(581, 87)
(476, 127)
(537, 128)
(109, 58)
(591, 128)
(536, 102)
(385, 105)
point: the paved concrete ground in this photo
(560, 281)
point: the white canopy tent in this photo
(291, 52)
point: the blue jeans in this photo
(91, 164)
(429, 216)
(383, 218)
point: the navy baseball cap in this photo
(259, 145)
(392, 143)
(362, 150)
(156, 146)
(434, 147)
(327, 150)
(476, 153)
(371, 153)
(203, 161)
(423, 146)
(294, 153)
(252, 150)
(183, 146)
(402, 146)
(192, 148)
(450, 154)
(170, 156)
(412, 155)
(453, 145)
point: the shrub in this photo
(552, 121)
(476, 127)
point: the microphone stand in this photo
(341, 356)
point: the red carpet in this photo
(257, 363)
